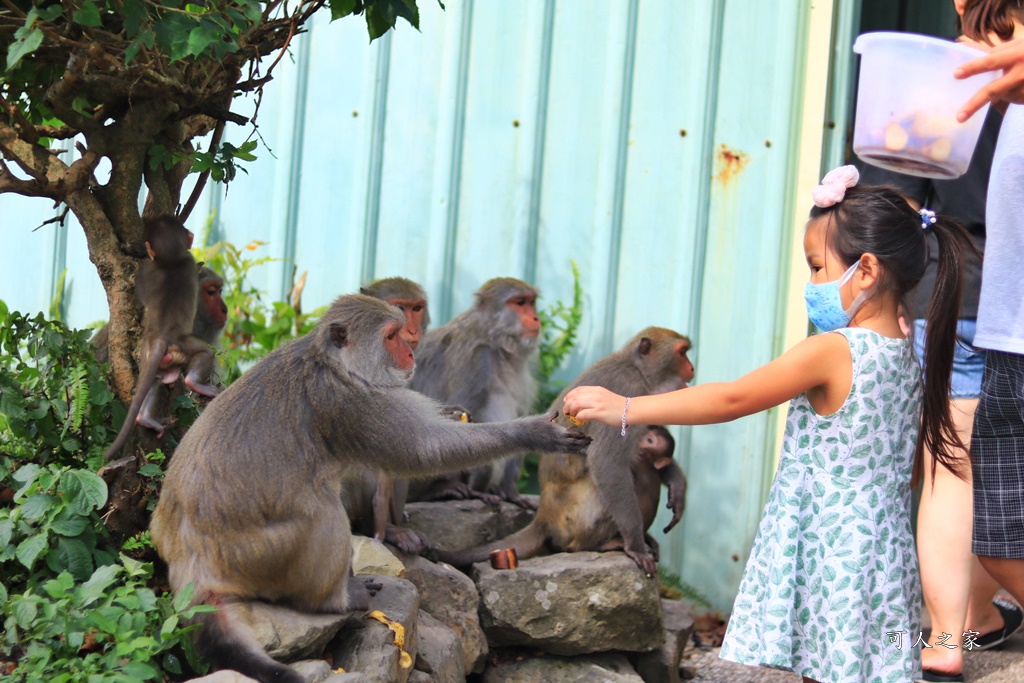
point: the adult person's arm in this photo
(1009, 88)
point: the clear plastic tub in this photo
(907, 101)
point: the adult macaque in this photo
(483, 360)
(211, 311)
(584, 502)
(374, 500)
(250, 509)
(211, 315)
(167, 285)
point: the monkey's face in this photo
(657, 446)
(524, 307)
(400, 362)
(416, 319)
(211, 303)
(686, 370)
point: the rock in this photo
(348, 678)
(287, 634)
(571, 603)
(450, 596)
(607, 667)
(459, 524)
(314, 670)
(439, 651)
(662, 664)
(370, 557)
(367, 646)
(419, 677)
(223, 676)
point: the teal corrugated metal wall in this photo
(652, 142)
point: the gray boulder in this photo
(438, 652)
(455, 525)
(608, 667)
(370, 557)
(450, 597)
(367, 646)
(661, 665)
(571, 603)
(288, 635)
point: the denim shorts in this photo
(968, 361)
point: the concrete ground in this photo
(993, 666)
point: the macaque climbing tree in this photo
(138, 82)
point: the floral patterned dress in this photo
(831, 590)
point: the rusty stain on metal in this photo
(729, 163)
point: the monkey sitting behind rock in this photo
(250, 508)
(483, 360)
(583, 502)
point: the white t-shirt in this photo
(1001, 309)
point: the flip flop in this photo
(936, 677)
(1013, 618)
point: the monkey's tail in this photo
(146, 378)
(528, 542)
(227, 642)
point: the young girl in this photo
(831, 589)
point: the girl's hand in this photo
(1009, 57)
(594, 403)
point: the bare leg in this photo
(944, 526)
(1007, 571)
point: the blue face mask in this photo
(825, 305)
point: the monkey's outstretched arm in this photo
(146, 378)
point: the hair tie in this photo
(833, 186)
(927, 218)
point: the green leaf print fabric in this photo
(833, 569)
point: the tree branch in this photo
(186, 211)
(45, 168)
(28, 131)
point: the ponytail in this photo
(984, 17)
(938, 431)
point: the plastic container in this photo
(907, 101)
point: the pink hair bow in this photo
(833, 186)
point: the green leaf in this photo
(201, 38)
(23, 45)
(408, 10)
(25, 612)
(87, 15)
(76, 556)
(343, 8)
(29, 549)
(85, 490)
(150, 470)
(37, 505)
(380, 17)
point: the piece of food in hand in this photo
(576, 421)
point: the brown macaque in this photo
(250, 510)
(211, 311)
(211, 315)
(375, 501)
(483, 361)
(584, 504)
(166, 284)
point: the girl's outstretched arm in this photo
(822, 360)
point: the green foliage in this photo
(73, 609)
(111, 627)
(674, 588)
(55, 403)
(559, 327)
(254, 327)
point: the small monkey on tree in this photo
(167, 284)
(250, 509)
(585, 503)
(484, 360)
(211, 314)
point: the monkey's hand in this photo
(676, 503)
(522, 501)
(644, 559)
(654, 546)
(552, 438)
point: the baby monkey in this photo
(167, 285)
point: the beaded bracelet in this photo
(624, 409)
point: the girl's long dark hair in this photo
(983, 17)
(879, 221)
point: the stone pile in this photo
(564, 618)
